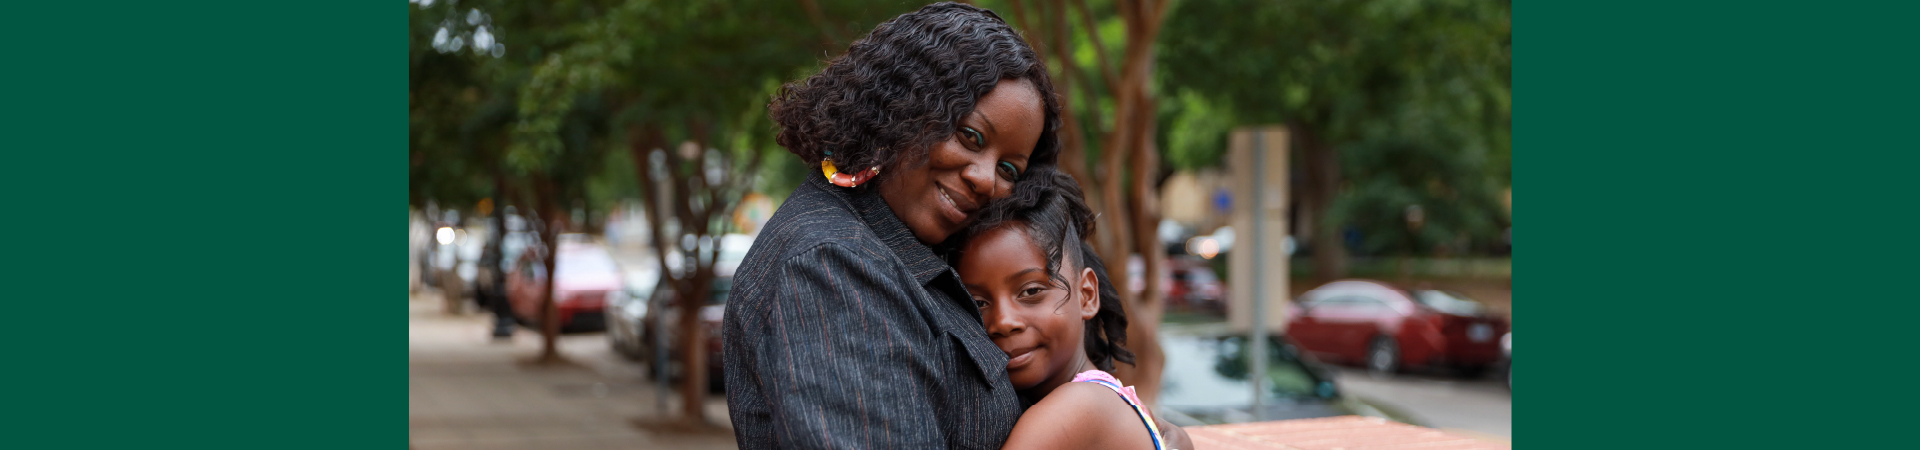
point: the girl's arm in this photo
(1175, 436)
(1081, 415)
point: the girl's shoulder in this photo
(1106, 383)
(1092, 414)
(1085, 397)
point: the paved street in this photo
(465, 391)
(1479, 406)
(469, 392)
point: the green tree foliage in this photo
(1393, 103)
(673, 91)
(1411, 199)
(462, 103)
(1197, 130)
(446, 93)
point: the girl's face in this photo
(1038, 322)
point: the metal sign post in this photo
(1257, 338)
(1257, 263)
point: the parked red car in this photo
(1386, 328)
(1195, 287)
(587, 273)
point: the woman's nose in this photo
(979, 176)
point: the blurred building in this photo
(1193, 199)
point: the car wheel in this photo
(643, 346)
(1470, 372)
(656, 372)
(1383, 357)
(615, 339)
(634, 343)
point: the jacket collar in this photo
(872, 209)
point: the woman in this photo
(1045, 300)
(843, 328)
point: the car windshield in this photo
(587, 263)
(1212, 371)
(1449, 302)
(640, 286)
(733, 247)
(510, 247)
(733, 255)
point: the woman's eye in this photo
(979, 140)
(1029, 292)
(1008, 171)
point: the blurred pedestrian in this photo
(490, 287)
(844, 328)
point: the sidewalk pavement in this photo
(1335, 433)
(466, 391)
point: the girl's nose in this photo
(1001, 321)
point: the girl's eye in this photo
(1008, 171)
(979, 140)
(978, 303)
(1029, 292)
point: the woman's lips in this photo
(951, 207)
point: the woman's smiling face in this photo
(1036, 320)
(979, 163)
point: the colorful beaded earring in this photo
(843, 179)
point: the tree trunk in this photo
(1144, 310)
(549, 308)
(1143, 19)
(673, 196)
(1121, 188)
(1322, 186)
(693, 343)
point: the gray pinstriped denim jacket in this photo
(844, 331)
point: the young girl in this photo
(1046, 301)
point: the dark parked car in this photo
(628, 314)
(1205, 383)
(1386, 328)
(710, 315)
(733, 249)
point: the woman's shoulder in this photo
(811, 238)
(805, 225)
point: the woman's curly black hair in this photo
(906, 86)
(1049, 206)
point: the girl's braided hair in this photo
(1049, 206)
